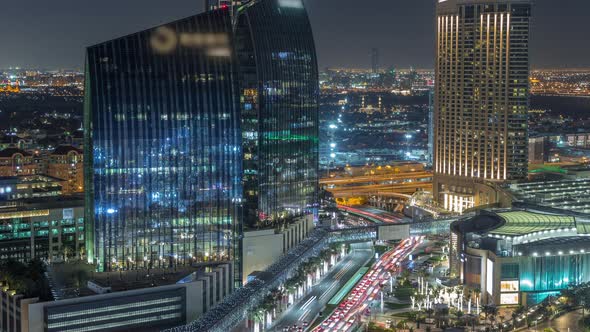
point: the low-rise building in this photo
(67, 163)
(262, 248)
(142, 300)
(51, 229)
(564, 194)
(15, 162)
(520, 256)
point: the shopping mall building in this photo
(520, 256)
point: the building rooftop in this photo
(570, 245)
(519, 223)
(65, 149)
(567, 194)
(524, 231)
(9, 152)
(71, 279)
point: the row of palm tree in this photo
(275, 302)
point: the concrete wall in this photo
(488, 295)
(197, 294)
(393, 232)
(13, 310)
(263, 248)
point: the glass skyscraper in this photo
(195, 127)
(280, 92)
(481, 99)
(163, 134)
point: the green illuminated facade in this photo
(52, 230)
(280, 92)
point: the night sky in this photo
(53, 34)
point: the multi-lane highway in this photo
(305, 311)
(375, 215)
(401, 184)
(381, 179)
(346, 317)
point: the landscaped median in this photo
(339, 297)
(348, 286)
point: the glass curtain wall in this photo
(280, 93)
(164, 172)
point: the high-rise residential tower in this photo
(163, 140)
(481, 99)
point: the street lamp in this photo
(408, 138)
(332, 161)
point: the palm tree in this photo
(468, 294)
(402, 325)
(436, 291)
(326, 254)
(477, 293)
(458, 291)
(404, 278)
(489, 310)
(258, 315)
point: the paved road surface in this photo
(312, 303)
(562, 323)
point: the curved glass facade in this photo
(280, 92)
(164, 177)
(553, 272)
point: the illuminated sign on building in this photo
(509, 298)
(509, 286)
(165, 40)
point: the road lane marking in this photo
(308, 303)
(328, 291)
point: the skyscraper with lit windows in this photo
(163, 137)
(279, 84)
(481, 99)
(195, 127)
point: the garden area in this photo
(26, 279)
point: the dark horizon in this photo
(402, 30)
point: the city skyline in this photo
(295, 166)
(557, 40)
